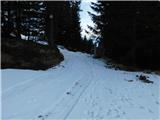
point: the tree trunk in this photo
(18, 21)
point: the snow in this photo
(12, 34)
(79, 88)
(24, 37)
(42, 42)
(33, 38)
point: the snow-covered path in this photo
(79, 88)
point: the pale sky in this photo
(85, 18)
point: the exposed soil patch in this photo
(144, 79)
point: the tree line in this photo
(129, 31)
(31, 20)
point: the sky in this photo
(85, 18)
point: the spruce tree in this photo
(129, 31)
(75, 30)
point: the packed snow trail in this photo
(79, 88)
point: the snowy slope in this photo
(79, 88)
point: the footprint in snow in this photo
(91, 114)
(110, 91)
(100, 108)
(94, 103)
(141, 107)
(97, 97)
(124, 113)
(68, 93)
(91, 96)
(41, 117)
(76, 83)
(122, 99)
(117, 116)
(62, 66)
(116, 111)
(109, 112)
(85, 99)
(157, 102)
(149, 110)
(119, 107)
(152, 95)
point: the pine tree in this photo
(66, 27)
(75, 30)
(26, 18)
(59, 10)
(8, 13)
(128, 30)
(33, 20)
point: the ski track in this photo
(20, 87)
(86, 90)
(58, 111)
(23, 83)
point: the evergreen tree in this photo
(54, 21)
(33, 20)
(128, 30)
(66, 26)
(8, 15)
(26, 18)
(87, 45)
(61, 21)
(75, 30)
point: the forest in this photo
(80, 60)
(129, 31)
(126, 32)
(25, 24)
